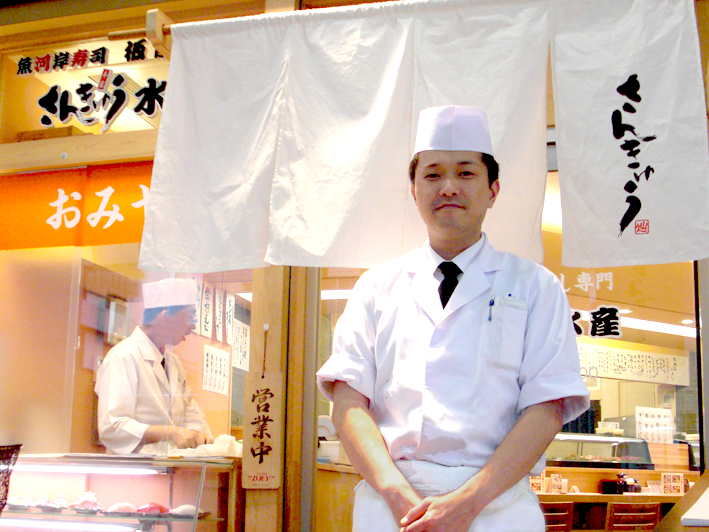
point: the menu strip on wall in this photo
(615, 359)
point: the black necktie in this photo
(450, 279)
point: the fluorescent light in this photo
(335, 294)
(63, 525)
(625, 311)
(86, 470)
(324, 295)
(652, 326)
(687, 322)
(564, 436)
(656, 326)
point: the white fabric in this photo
(286, 138)
(453, 128)
(516, 510)
(169, 292)
(597, 46)
(134, 392)
(224, 445)
(447, 385)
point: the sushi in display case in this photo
(587, 450)
(92, 492)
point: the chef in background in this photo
(143, 399)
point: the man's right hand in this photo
(400, 500)
(187, 438)
(368, 452)
(183, 438)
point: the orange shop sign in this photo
(78, 207)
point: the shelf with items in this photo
(207, 484)
(28, 519)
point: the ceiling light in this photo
(63, 525)
(86, 470)
(335, 294)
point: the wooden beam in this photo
(82, 150)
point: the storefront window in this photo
(65, 308)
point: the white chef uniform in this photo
(447, 385)
(135, 392)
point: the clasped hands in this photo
(450, 512)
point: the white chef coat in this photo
(135, 392)
(447, 385)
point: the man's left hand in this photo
(443, 513)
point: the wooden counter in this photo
(598, 498)
(672, 521)
(334, 495)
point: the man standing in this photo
(143, 398)
(455, 365)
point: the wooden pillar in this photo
(264, 507)
(301, 423)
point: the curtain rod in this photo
(133, 34)
(157, 31)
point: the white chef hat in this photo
(453, 128)
(169, 293)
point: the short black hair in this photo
(149, 314)
(493, 169)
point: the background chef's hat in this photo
(169, 293)
(453, 128)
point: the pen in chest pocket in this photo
(507, 301)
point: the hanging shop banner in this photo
(304, 161)
(229, 318)
(615, 359)
(219, 313)
(78, 207)
(207, 316)
(197, 329)
(631, 132)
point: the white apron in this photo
(516, 510)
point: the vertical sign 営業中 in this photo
(262, 431)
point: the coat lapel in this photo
(153, 357)
(424, 288)
(173, 377)
(471, 285)
(474, 282)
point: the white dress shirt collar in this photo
(463, 259)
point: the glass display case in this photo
(124, 493)
(585, 450)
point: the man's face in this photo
(452, 194)
(179, 325)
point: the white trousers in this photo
(516, 510)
